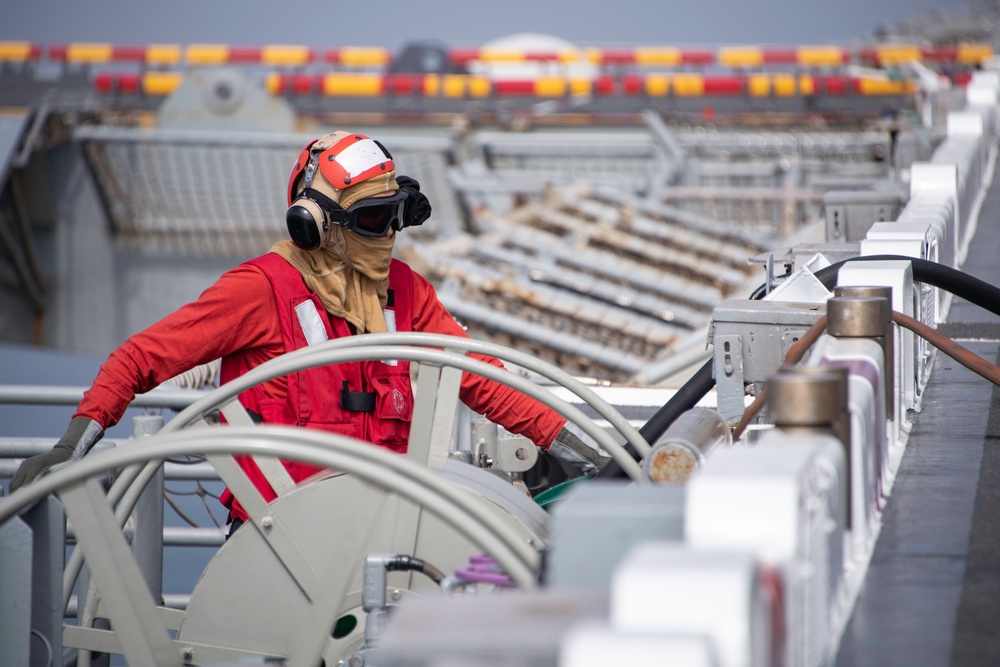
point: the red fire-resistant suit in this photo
(249, 316)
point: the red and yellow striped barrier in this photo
(735, 57)
(899, 54)
(358, 57)
(196, 55)
(677, 84)
(13, 52)
(202, 55)
(272, 56)
(153, 84)
(98, 54)
(741, 57)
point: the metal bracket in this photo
(728, 367)
(511, 454)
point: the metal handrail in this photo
(319, 448)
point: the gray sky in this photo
(390, 23)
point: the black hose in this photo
(404, 563)
(960, 284)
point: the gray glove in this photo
(82, 434)
(571, 449)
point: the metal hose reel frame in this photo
(126, 490)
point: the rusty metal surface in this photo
(672, 463)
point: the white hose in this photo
(199, 377)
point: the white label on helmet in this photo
(312, 325)
(360, 156)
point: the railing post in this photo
(148, 515)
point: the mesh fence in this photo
(192, 199)
(744, 145)
(219, 195)
(626, 158)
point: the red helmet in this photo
(344, 179)
(344, 160)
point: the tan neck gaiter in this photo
(350, 275)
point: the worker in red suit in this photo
(336, 277)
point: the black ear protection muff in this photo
(306, 222)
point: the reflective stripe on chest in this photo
(311, 322)
(390, 326)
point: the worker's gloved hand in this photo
(570, 448)
(82, 434)
(417, 208)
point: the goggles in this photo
(371, 216)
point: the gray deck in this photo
(932, 592)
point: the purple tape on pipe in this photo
(483, 570)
